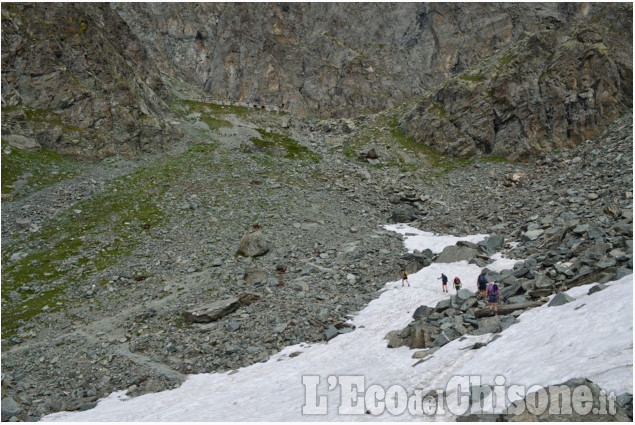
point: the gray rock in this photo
(469, 303)
(464, 295)
(442, 305)
(507, 321)
(280, 327)
(421, 311)
(22, 142)
(299, 284)
(621, 272)
(395, 339)
(606, 262)
(531, 235)
(511, 290)
(23, 223)
(424, 353)
(492, 244)
(404, 214)
(470, 319)
(517, 299)
(455, 253)
(467, 244)
(213, 311)
(488, 325)
(254, 244)
(255, 276)
(331, 332)
(232, 326)
(417, 338)
(539, 293)
(248, 298)
(560, 299)
(444, 337)
(10, 408)
(597, 288)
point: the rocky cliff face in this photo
(333, 59)
(507, 79)
(76, 80)
(550, 89)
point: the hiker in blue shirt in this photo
(444, 280)
(482, 284)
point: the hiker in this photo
(457, 283)
(482, 284)
(493, 297)
(404, 276)
(444, 280)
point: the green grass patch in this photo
(215, 123)
(38, 169)
(94, 234)
(507, 58)
(111, 224)
(440, 110)
(272, 143)
(190, 106)
(50, 117)
(473, 78)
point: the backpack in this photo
(482, 279)
(457, 281)
(493, 289)
(444, 278)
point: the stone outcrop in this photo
(315, 59)
(515, 80)
(76, 80)
(544, 91)
(254, 244)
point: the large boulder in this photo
(213, 311)
(22, 142)
(404, 214)
(254, 244)
(10, 408)
(422, 311)
(452, 254)
(465, 294)
(560, 299)
(488, 325)
(492, 244)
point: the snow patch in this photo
(589, 337)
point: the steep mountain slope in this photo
(74, 79)
(101, 260)
(550, 89)
(516, 80)
(336, 59)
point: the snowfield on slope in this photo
(590, 337)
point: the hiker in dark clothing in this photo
(482, 284)
(444, 280)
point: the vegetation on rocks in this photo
(101, 259)
(33, 171)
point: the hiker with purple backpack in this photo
(493, 297)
